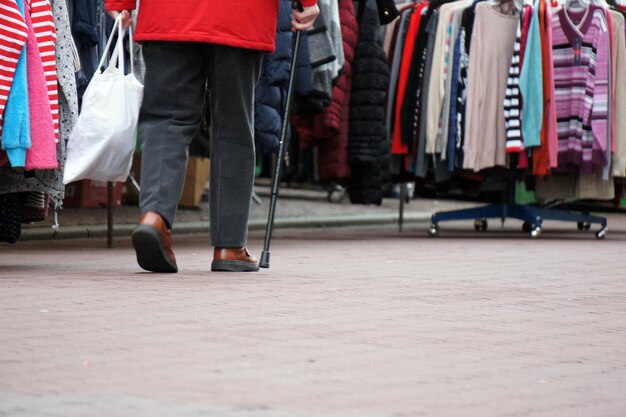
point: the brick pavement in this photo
(347, 322)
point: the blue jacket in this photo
(271, 88)
(16, 127)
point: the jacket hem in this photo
(220, 40)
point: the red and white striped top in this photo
(45, 32)
(13, 34)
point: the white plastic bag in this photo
(103, 140)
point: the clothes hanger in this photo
(602, 3)
(572, 3)
(387, 11)
(510, 7)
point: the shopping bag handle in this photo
(118, 52)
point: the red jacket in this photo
(242, 23)
(329, 130)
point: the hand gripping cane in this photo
(265, 255)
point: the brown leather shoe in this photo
(233, 260)
(153, 244)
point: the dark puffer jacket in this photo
(333, 162)
(369, 145)
(86, 38)
(329, 131)
(270, 91)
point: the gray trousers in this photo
(177, 75)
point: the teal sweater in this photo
(531, 85)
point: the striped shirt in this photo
(513, 99)
(580, 50)
(13, 34)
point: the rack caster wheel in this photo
(480, 225)
(601, 234)
(433, 231)
(535, 232)
(527, 227)
(336, 194)
(583, 225)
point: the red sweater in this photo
(241, 23)
(398, 146)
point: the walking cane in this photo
(265, 255)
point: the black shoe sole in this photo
(151, 254)
(234, 266)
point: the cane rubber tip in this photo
(265, 260)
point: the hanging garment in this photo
(545, 157)
(39, 135)
(51, 181)
(527, 12)
(369, 147)
(414, 106)
(271, 88)
(455, 156)
(541, 165)
(419, 119)
(13, 34)
(42, 152)
(451, 54)
(36, 205)
(11, 217)
(438, 75)
(581, 55)
(513, 99)
(87, 38)
(619, 64)
(394, 55)
(490, 59)
(333, 162)
(45, 32)
(410, 111)
(321, 52)
(16, 127)
(557, 186)
(400, 144)
(610, 123)
(391, 29)
(531, 85)
(326, 51)
(454, 123)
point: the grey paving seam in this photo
(100, 231)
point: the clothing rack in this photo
(531, 215)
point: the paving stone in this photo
(347, 322)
